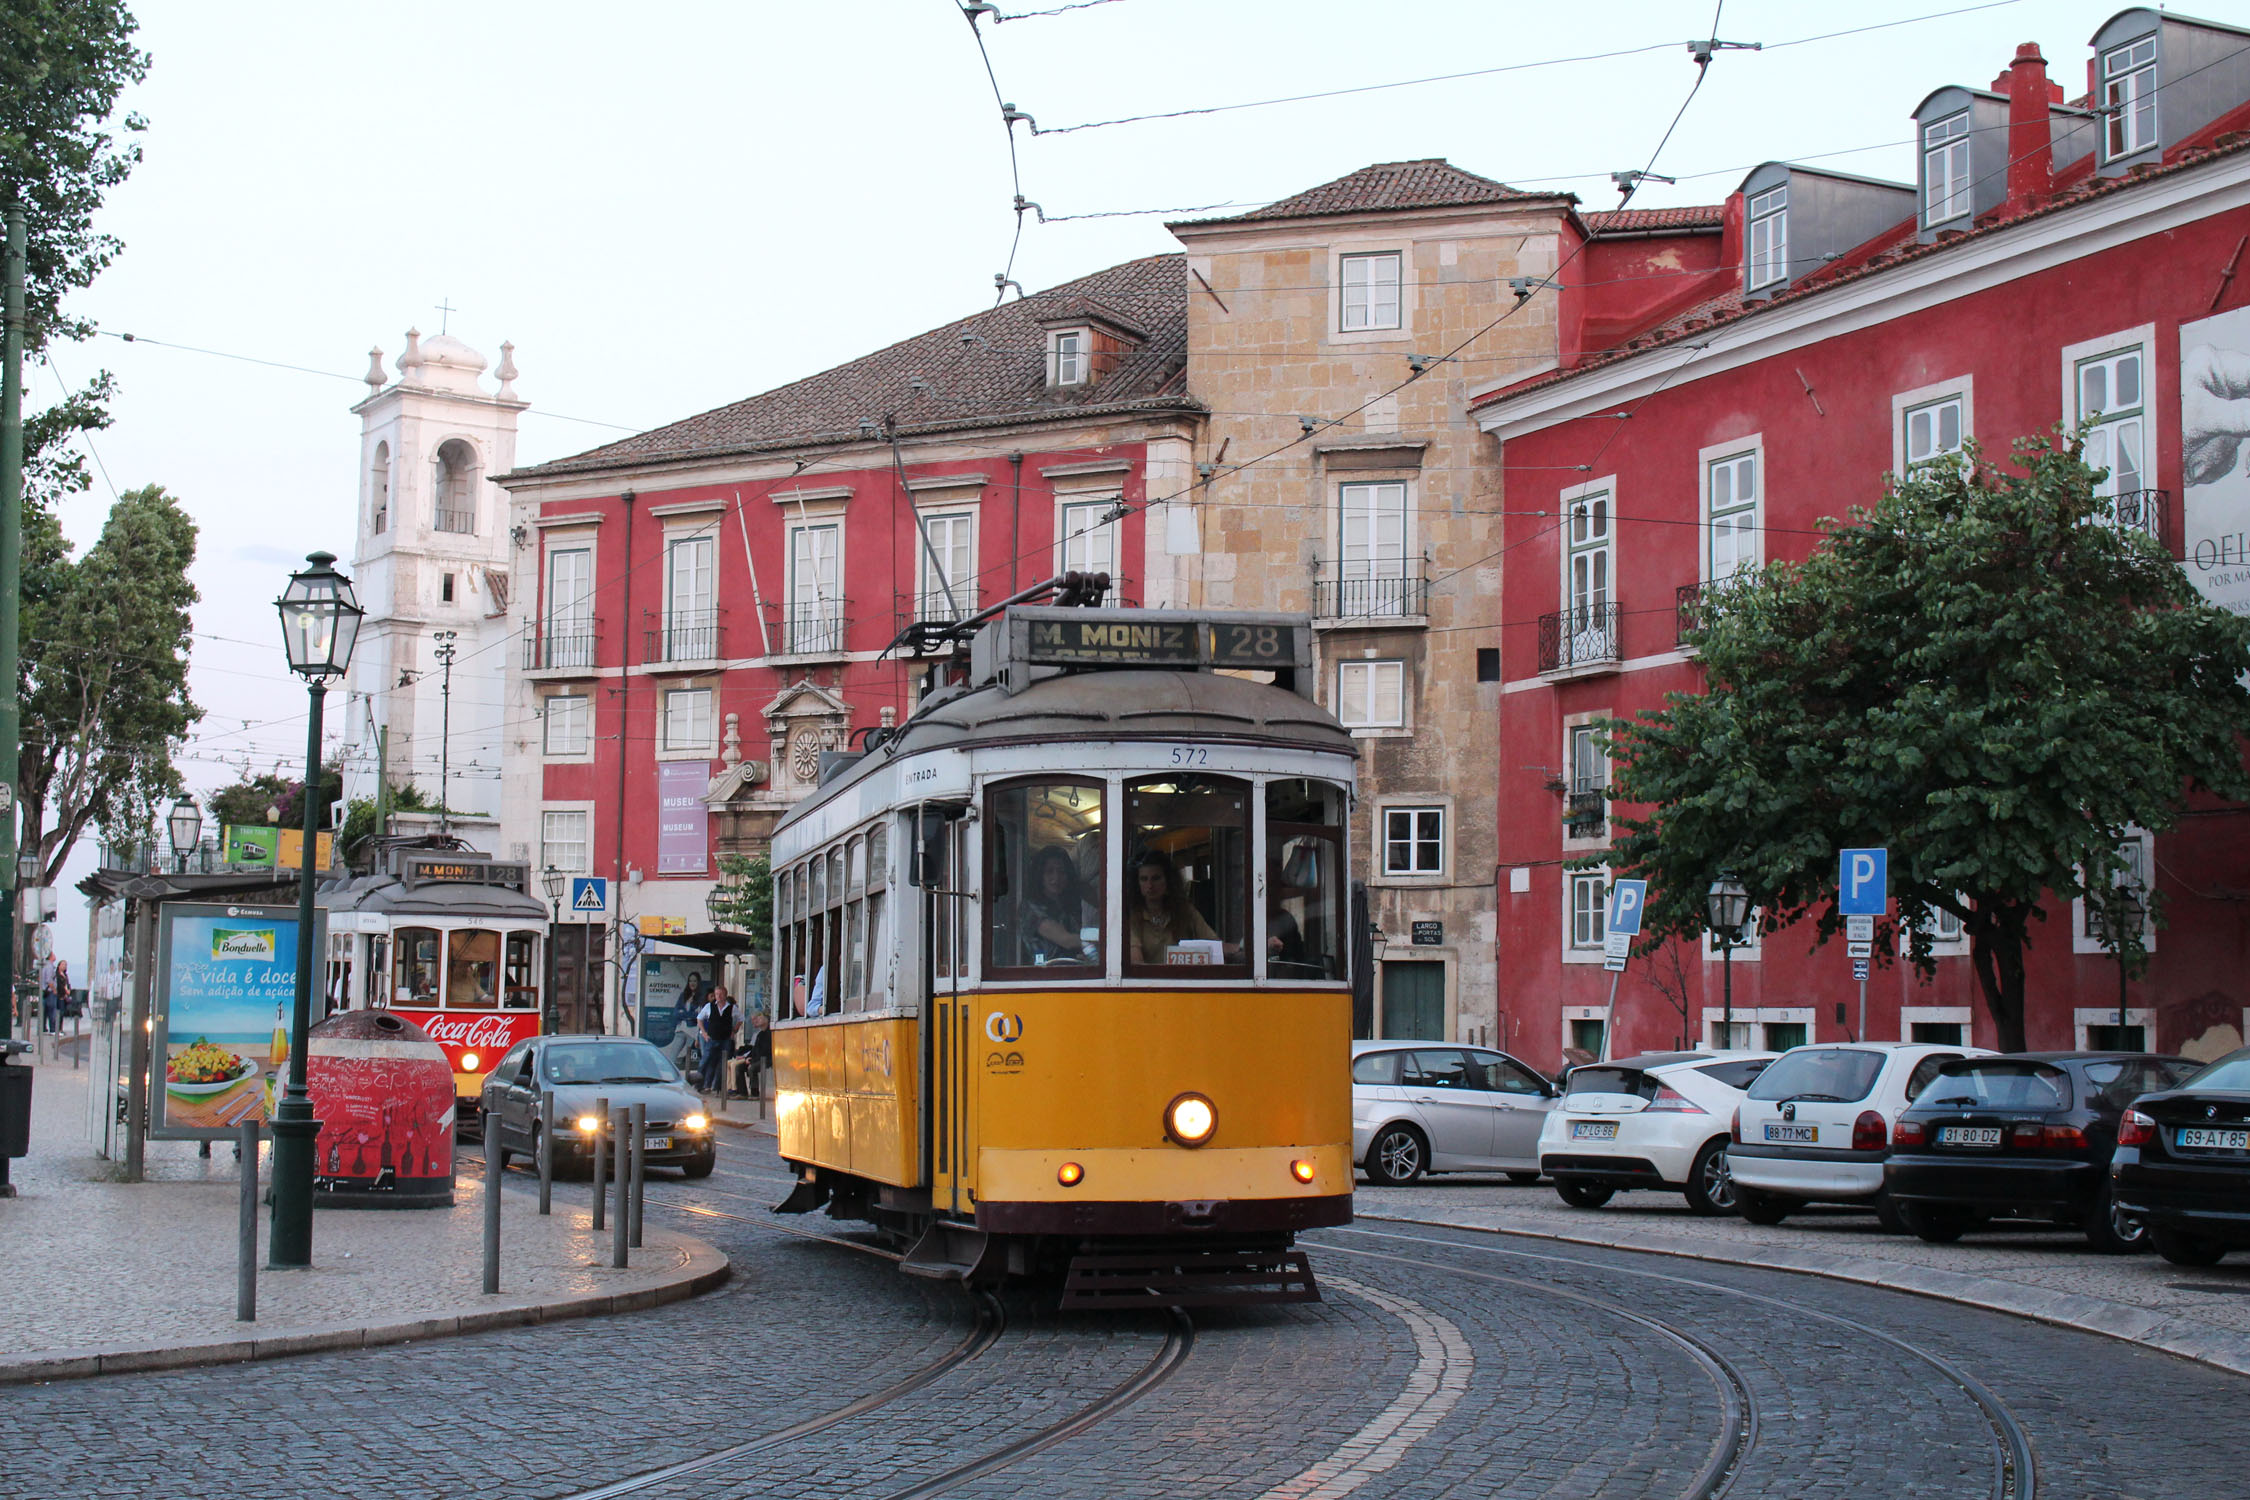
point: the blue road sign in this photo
(1626, 898)
(589, 893)
(1863, 882)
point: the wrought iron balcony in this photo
(933, 607)
(2138, 510)
(812, 630)
(1688, 607)
(1396, 591)
(463, 521)
(1586, 811)
(690, 635)
(1578, 638)
(562, 645)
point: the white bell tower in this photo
(433, 557)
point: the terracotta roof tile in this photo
(1388, 187)
(1632, 220)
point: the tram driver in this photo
(1056, 922)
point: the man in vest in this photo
(717, 1021)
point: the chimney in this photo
(2031, 139)
(1730, 238)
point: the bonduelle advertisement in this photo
(228, 977)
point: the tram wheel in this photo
(1398, 1156)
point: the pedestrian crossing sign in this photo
(589, 893)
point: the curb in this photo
(706, 1268)
(2165, 1332)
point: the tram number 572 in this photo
(1190, 755)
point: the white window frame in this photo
(1905, 404)
(1574, 726)
(1945, 159)
(1575, 951)
(1370, 307)
(671, 704)
(2125, 72)
(379, 489)
(548, 812)
(1381, 559)
(582, 714)
(574, 614)
(702, 539)
(2075, 357)
(1730, 457)
(808, 609)
(1422, 817)
(2084, 1018)
(1935, 1015)
(1579, 504)
(1101, 549)
(1070, 357)
(960, 572)
(1372, 671)
(1941, 946)
(1767, 237)
(2082, 939)
(1757, 1017)
(1748, 951)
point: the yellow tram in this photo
(1062, 963)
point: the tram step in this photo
(1188, 1278)
(947, 1252)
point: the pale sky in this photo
(709, 200)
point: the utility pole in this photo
(382, 781)
(445, 649)
(11, 590)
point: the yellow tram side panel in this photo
(845, 1097)
(1090, 1072)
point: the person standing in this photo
(49, 1005)
(718, 1021)
(65, 1000)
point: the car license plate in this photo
(1803, 1135)
(1593, 1130)
(1968, 1135)
(656, 1143)
(2215, 1140)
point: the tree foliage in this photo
(359, 814)
(1981, 674)
(745, 898)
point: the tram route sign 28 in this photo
(1156, 637)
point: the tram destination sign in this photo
(444, 871)
(1186, 639)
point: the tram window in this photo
(379, 971)
(878, 968)
(472, 967)
(523, 971)
(878, 854)
(417, 949)
(855, 955)
(1043, 880)
(858, 866)
(1187, 876)
(1304, 880)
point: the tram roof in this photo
(387, 893)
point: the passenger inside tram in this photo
(1046, 858)
(1165, 928)
(1188, 904)
(1058, 925)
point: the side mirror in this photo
(933, 835)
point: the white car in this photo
(1427, 1107)
(1817, 1125)
(1655, 1121)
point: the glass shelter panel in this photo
(1043, 880)
(1304, 880)
(1187, 893)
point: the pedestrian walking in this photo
(719, 1020)
(66, 999)
(50, 1007)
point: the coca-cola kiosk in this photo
(383, 1093)
(450, 940)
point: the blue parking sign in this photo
(1626, 898)
(1863, 882)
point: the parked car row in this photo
(2129, 1148)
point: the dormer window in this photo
(1069, 356)
(1769, 237)
(2129, 98)
(1945, 169)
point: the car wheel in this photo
(1523, 1179)
(1760, 1208)
(1710, 1186)
(2112, 1231)
(701, 1166)
(1887, 1216)
(1935, 1223)
(1398, 1156)
(2185, 1249)
(1583, 1194)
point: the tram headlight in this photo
(468, 1062)
(695, 1122)
(1070, 1174)
(1302, 1169)
(1190, 1119)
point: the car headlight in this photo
(696, 1122)
(1190, 1119)
(589, 1124)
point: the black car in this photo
(2183, 1163)
(2026, 1136)
(582, 1072)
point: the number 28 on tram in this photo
(1062, 964)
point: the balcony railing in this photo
(2138, 510)
(463, 521)
(562, 645)
(1586, 811)
(1688, 608)
(1398, 591)
(693, 635)
(932, 607)
(812, 630)
(1585, 635)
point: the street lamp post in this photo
(185, 824)
(1727, 906)
(319, 625)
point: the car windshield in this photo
(1998, 1083)
(2229, 1072)
(1610, 1081)
(608, 1062)
(1819, 1075)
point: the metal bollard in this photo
(492, 1177)
(640, 1174)
(620, 1121)
(546, 1151)
(246, 1245)
(601, 1161)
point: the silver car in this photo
(1427, 1107)
(582, 1070)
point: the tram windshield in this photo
(1304, 880)
(472, 968)
(1188, 875)
(1044, 881)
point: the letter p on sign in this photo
(1863, 885)
(1626, 898)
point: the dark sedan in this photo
(2183, 1163)
(2028, 1136)
(583, 1071)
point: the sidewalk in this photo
(137, 1277)
(2035, 1272)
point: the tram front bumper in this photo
(1165, 1190)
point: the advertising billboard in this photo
(672, 991)
(226, 979)
(2215, 508)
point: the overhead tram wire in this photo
(970, 10)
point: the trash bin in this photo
(383, 1093)
(15, 1100)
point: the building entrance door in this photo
(1413, 1001)
(576, 1004)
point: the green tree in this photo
(1979, 673)
(254, 801)
(105, 692)
(746, 897)
(359, 815)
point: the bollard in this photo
(620, 1121)
(493, 1157)
(601, 1161)
(546, 1151)
(246, 1246)
(640, 1172)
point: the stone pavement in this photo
(116, 1276)
(2035, 1271)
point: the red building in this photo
(1732, 376)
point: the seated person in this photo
(1285, 940)
(1159, 914)
(1054, 912)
